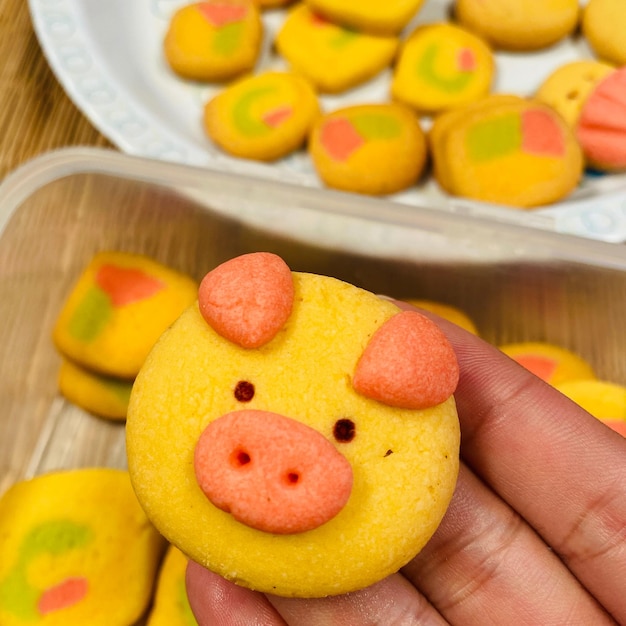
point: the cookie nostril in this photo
(240, 458)
(293, 478)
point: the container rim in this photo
(515, 230)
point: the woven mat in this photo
(35, 113)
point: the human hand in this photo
(535, 533)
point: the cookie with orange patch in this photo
(333, 58)
(294, 433)
(118, 308)
(171, 605)
(550, 362)
(442, 66)
(372, 148)
(262, 117)
(371, 16)
(76, 549)
(604, 400)
(214, 40)
(506, 150)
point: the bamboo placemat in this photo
(35, 113)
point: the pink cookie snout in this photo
(271, 472)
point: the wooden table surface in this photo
(35, 113)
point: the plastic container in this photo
(516, 281)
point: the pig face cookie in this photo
(294, 433)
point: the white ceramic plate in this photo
(108, 57)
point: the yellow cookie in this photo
(447, 120)
(171, 606)
(442, 66)
(549, 362)
(386, 17)
(567, 89)
(604, 25)
(76, 549)
(604, 400)
(519, 24)
(333, 58)
(104, 396)
(448, 312)
(373, 149)
(118, 308)
(516, 153)
(294, 433)
(262, 117)
(214, 40)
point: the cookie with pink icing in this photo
(294, 433)
(214, 40)
(374, 149)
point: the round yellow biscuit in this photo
(214, 40)
(442, 66)
(76, 549)
(519, 24)
(262, 117)
(171, 605)
(404, 462)
(604, 400)
(604, 25)
(373, 149)
(447, 311)
(372, 16)
(566, 90)
(331, 57)
(550, 362)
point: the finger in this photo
(486, 565)
(218, 602)
(558, 466)
(391, 601)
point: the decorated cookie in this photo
(448, 312)
(104, 396)
(171, 606)
(549, 362)
(373, 16)
(604, 400)
(518, 153)
(603, 25)
(519, 24)
(294, 433)
(567, 88)
(374, 149)
(333, 58)
(601, 128)
(118, 308)
(214, 40)
(262, 117)
(442, 66)
(76, 549)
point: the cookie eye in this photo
(244, 391)
(344, 430)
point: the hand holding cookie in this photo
(533, 529)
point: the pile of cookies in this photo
(517, 151)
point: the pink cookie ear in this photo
(408, 363)
(248, 299)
